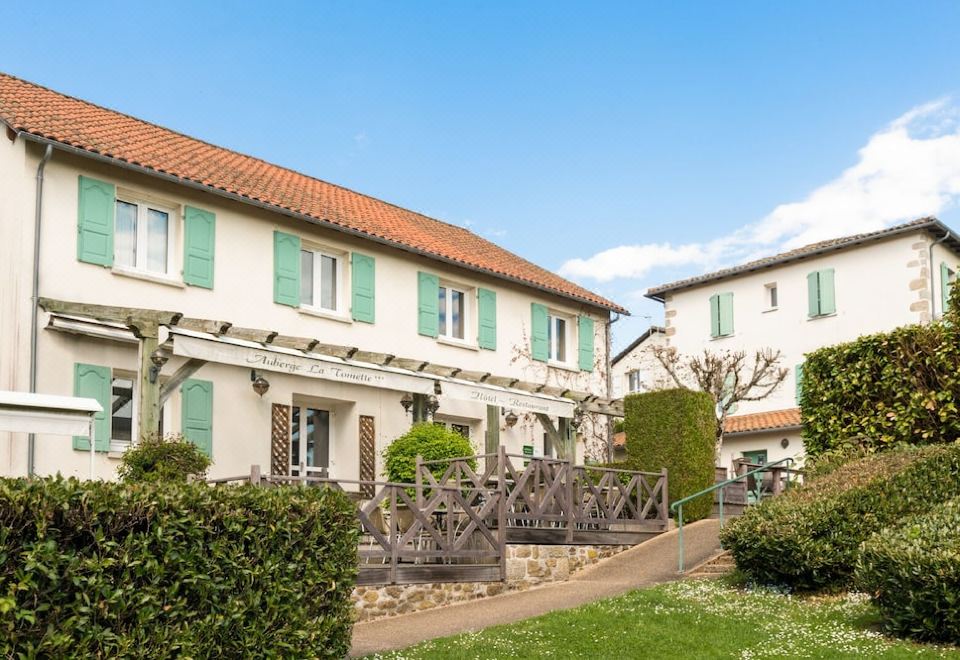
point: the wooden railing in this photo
(553, 501)
(409, 535)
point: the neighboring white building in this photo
(636, 369)
(798, 301)
(273, 272)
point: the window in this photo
(770, 295)
(821, 293)
(121, 419)
(756, 457)
(461, 429)
(320, 280)
(452, 311)
(558, 338)
(143, 236)
(309, 441)
(633, 381)
(721, 315)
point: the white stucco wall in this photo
(243, 295)
(641, 359)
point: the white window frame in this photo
(120, 446)
(318, 252)
(768, 290)
(631, 376)
(553, 338)
(444, 329)
(143, 203)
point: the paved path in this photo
(645, 565)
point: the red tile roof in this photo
(764, 421)
(38, 111)
(931, 225)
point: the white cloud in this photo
(909, 169)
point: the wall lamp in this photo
(158, 358)
(259, 383)
(433, 404)
(511, 419)
(406, 401)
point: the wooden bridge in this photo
(454, 523)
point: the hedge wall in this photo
(675, 429)
(809, 537)
(894, 387)
(913, 573)
(97, 569)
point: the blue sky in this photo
(625, 145)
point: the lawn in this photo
(691, 619)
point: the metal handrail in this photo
(677, 506)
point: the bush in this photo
(808, 538)
(913, 573)
(95, 569)
(674, 429)
(894, 387)
(432, 442)
(163, 458)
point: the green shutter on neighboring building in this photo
(487, 319)
(539, 332)
(199, 233)
(821, 293)
(813, 294)
(286, 269)
(363, 287)
(725, 313)
(97, 204)
(798, 372)
(94, 382)
(428, 292)
(715, 315)
(944, 287)
(196, 413)
(585, 342)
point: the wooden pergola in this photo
(144, 326)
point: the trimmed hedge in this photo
(163, 458)
(98, 569)
(675, 429)
(809, 537)
(913, 573)
(894, 387)
(432, 442)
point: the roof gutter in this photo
(300, 216)
(933, 298)
(35, 299)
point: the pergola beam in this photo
(186, 370)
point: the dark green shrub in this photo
(95, 569)
(808, 538)
(913, 573)
(432, 442)
(894, 387)
(674, 429)
(163, 458)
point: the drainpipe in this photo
(610, 386)
(933, 297)
(35, 299)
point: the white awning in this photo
(24, 412)
(506, 398)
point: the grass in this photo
(691, 619)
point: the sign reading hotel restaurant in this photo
(226, 352)
(509, 399)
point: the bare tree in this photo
(729, 377)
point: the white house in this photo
(636, 368)
(271, 317)
(798, 301)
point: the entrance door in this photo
(309, 441)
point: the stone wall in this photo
(527, 566)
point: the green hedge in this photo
(913, 573)
(675, 429)
(94, 569)
(808, 538)
(894, 387)
(431, 441)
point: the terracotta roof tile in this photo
(35, 110)
(764, 421)
(928, 223)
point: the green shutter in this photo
(828, 300)
(286, 269)
(94, 382)
(725, 314)
(714, 315)
(428, 291)
(539, 332)
(98, 201)
(487, 319)
(363, 287)
(813, 294)
(798, 372)
(198, 243)
(196, 413)
(585, 342)
(944, 287)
